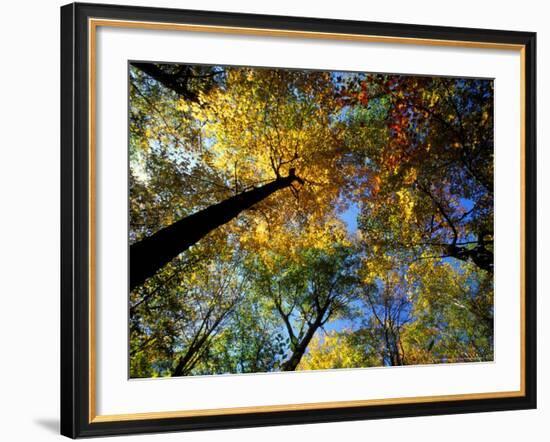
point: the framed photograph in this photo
(274, 220)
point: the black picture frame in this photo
(75, 221)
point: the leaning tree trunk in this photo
(152, 253)
(299, 351)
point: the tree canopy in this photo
(288, 220)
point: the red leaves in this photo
(363, 98)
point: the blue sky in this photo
(349, 216)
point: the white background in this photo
(29, 250)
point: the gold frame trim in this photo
(93, 24)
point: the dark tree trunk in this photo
(182, 362)
(152, 253)
(298, 353)
(479, 255)
(178, 81)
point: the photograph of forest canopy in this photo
(284, 220)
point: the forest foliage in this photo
(288, 220)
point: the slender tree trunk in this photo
(182, 362)
(298, 353)
(152, 253)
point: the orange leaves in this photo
(363, 98)
(375, 186)
(410, 176)
(393, 160)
